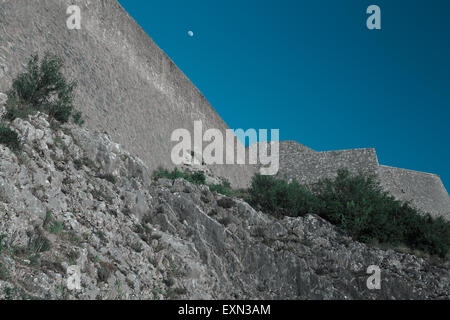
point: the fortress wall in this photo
(291, 147)
(308, 168)
(128, 87)
(424, 190)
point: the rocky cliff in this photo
(72, 196)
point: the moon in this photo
(190, 33)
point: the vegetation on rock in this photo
(192, 177)
(223, 188)
(358, 205)
(43, 87)
(355, 203)
(9, 138)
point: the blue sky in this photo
(313, 70)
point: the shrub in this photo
(195, 177)
(78, 118)
(9, 138)
(281, 198)
(358, 205)
(15, 110)
(108, 177)
(42, 87)
(39, 244)
(85, 161)
(223, 188)
(78, 164)
(56, 228)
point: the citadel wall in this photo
(309, 167)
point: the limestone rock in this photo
(3, 99)
(73, 197)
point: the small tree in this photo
(9, 138)
(42, 87)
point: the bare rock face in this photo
(73, 197)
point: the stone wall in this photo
(423, 190)
(308, 167)
(128, 87)
(290, 147)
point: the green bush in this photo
(15, 110)
(78, 118)
(223, 188)
(196, 177)
(108, 177)
(9, 138)
(85, 161)
(42, 87)
(358, 205)
(280, 198)
(39, 244)
(192, 177)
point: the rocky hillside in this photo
(73, 197)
